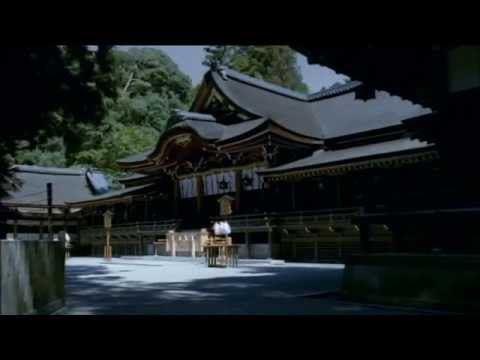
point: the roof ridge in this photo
(48, 170)
(190, 115)
(335, 89)
(264, 84)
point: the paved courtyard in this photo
(175, 287)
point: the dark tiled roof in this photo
(335, 89)
(322, 157)
(67, 185)
(111, 195)
(234, 130)
(136, 157)
(332, 112)
(186, 115)
(47, 170)
(132, 177)
(329, 113)
(288, 110)
(207, 130)
(344, 115)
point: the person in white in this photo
(226, 228)
(216, 228)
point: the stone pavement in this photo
(146, 286)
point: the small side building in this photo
(24, 214)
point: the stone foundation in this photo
(32, 277)
(450, 282)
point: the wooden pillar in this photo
(65, 211)
(200, 194)
(238, 189)
(15, 229)
(294, 205)
(193, 246)
(176, 197)
(269, 243)
(339, 191)
(364, 237)
(145, 214)
(49, 204)
(173, 245)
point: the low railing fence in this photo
(301, 218)
(138, 227)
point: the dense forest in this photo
(88, 108)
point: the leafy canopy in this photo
(276, 64)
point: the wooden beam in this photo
(49, 203)
(238, 189)
(176, 197)
(200, 194)
(365, 237)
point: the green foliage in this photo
(150, 86)
(48, 89)
(76, 108)
(145, 87)
(116, 141)
(51, 153)
(276, 64)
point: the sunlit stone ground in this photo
(166, 287)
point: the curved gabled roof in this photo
(136, 158)
(333, 112)
(207, 130)
(68, 185)
(326, 158)
(288, 108)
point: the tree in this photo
(151, 87)
(51, 153)
(48, 88)
(276, 64)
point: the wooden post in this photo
(49, 204)
(171, 238)
(270, 242)
(339, 191)
(107, 252)
(365, 237)
(193, 246)
(294, 205)
(199, 194)
(146, 208)
(15, 229)
(238, 189)
(176, 197)
(108, 248)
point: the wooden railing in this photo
(141, 227)
(247, 220)
(128, 230)
(300, 218)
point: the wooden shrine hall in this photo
(290, 172)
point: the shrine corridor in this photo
(147, 286)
